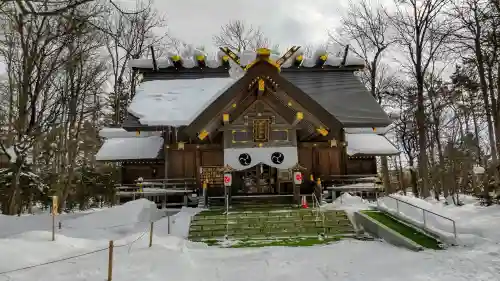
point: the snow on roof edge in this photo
(176, 102)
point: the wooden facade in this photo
(261, 110)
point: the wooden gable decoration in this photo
(238, 91)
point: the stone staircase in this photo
(265, 224)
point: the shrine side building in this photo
(192, 119)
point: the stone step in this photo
(249, 214)
(252, 222)
(270, 224)
(297, 232)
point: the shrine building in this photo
(254, 115)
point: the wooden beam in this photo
(285, 112)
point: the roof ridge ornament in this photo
(263, 54)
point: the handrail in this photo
(423, 213)
(317, 207)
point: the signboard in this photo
(228, 179)
(55, 205)
(212, 174)
(297, 177)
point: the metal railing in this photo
(424, 212)
(318, 212)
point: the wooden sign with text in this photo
(212, 174)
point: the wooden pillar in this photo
(198, 167)
(166, 147)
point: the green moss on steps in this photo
(291, 242)
(408, 232)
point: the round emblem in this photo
(277, 158)
(245, 159)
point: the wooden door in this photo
(327, 161)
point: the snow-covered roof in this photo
(109, 133)
(130, 148)
(377, 131)
(247, 56)
(370, 144)
(175, 102)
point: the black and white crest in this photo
(277, 158)
(245, 159)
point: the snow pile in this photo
(473, 222)
(348, 203)
(175, 102)
(137, 211)
(183, 260)
(178, 223)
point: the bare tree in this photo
(129, 37)
(238, 36)
(34, 47)
(422, 30)
(471, 15)
(54, 8)
(366, 30)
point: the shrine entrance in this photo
(261, 179)
(257, 180)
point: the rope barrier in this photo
(76, 256)
(3, 236)
(51, 262)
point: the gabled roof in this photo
(336, 92)
(259, 69)
(343, 95)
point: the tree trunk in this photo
(385, 175)
(422, 140)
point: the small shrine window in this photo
(279, 135)
(241, 136)
(261, 130)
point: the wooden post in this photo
(53, 227)
(54, 213)
(166, 145)
(168, 222)
(296, 194)
(151, 235)
(205, 194)
(110, 261)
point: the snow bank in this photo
(473, 222)
(178, 223)
(137, 211)
(179, 259)
(349, 202)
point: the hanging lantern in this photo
(225, 117)
(137, 132)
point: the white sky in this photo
(285, 22)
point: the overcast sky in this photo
(285, 22)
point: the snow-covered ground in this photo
(174, 258)
(473, 223)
